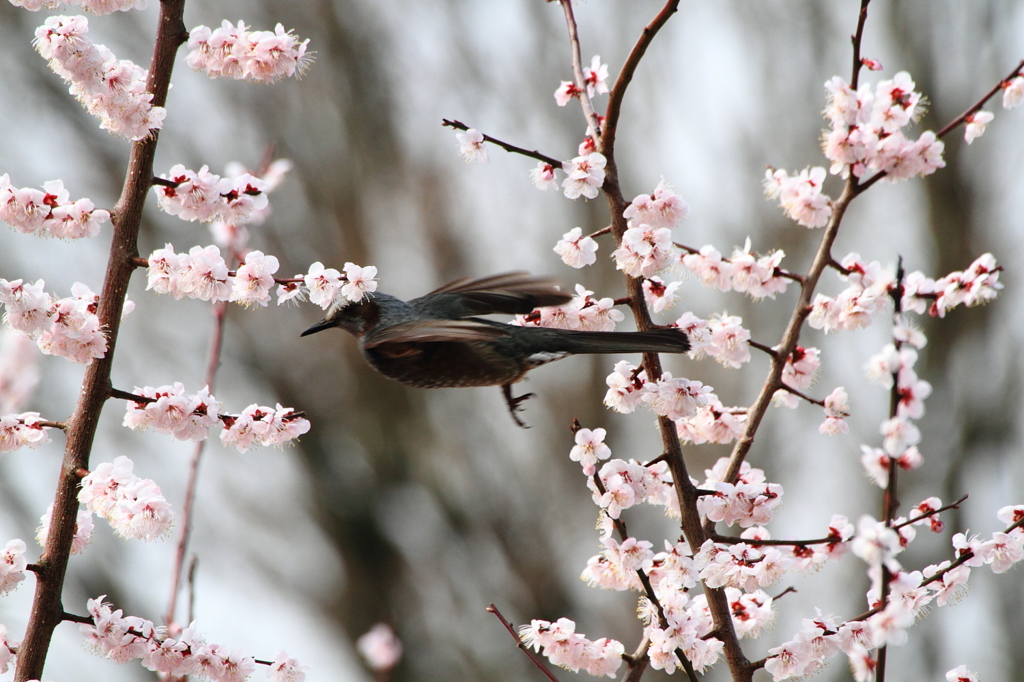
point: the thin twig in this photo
(593, 122)
(550, 160)
(519, 643)
(798, 394)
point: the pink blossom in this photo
(711, 269)
(543, 176)
(800, 196)
(876, 543)
(380, 647)
(22, 430)
(625, 390)
(589, 449)
(359, 281)
(576, 250)
(323, 284)
(961, 674)
(471, 146)
(235, 52)
(697, 331)
(565, 92)
(976, 123)
(1013, 92)
(134, 506)
(899, 435)
(285, 669)
(585, 176)
(12, 565)
(836, 409)
(644, 251)
(112, 90)
(1002, 551)
(662, 208)
(568, 649)
(596, 77)
(253, 279)
(677, 398)
(660, 296)
(728, 340)
(83, 530)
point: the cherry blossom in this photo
(662, 208)
(471, 146)
(837, 407)
(12, 566)
(564, 647)
(800, 196)
(585, 176)
(323, 284)
(67, 327)
(236, 52)
(112, 90)
(596, 77)
(644, 251)
(961, 674)
(6, 650)
(134, 506)
(799, 372)
(171, 411)
(576, 250)
(359, 281)
(660, 296)
(728, 343)
(589, 449)
(676, 397)
(83, 530)
(22, 430)
(380, 647)
(285, 669)
(876, 543)
(565, 92)
(976, 123)
(258, 425)
(543, 176)
(1013, 92)
(252, 282)
(49, 213)
(711, 269)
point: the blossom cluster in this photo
(49, 212)
(800, 195)
(756, 276)
(98, 7)
(856, 306)
(203, 273)
(21, 430)
(168, 409)
(127, 638)
(12, 567)
(67, 327)
(236, 52)
(572, 650)
(134, 506)
(234, 236)
(646, 246)
(799, 372)
(976, 285)
(583, 312)
(867, 130)
(84, 527)
(750, 500)
(576, 250)
(259, 425)
(624, 484)
(112, 89)
(208, 197)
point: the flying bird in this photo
(438, 340)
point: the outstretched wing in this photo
(424, 331)
(510, 293)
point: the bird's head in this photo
(355, 318)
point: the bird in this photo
(439, 341)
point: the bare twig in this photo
(519, 643)
(550, 160)
(593, 122)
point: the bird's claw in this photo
(515, 404)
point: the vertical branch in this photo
(577, 69)
(889, 501)
(219, 310)
(47, 608)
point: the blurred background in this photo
(419, 508)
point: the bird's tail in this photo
(656, 341)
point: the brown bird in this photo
(437, 340)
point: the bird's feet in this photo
(514, 404)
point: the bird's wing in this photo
(509, 293)
(422, 331)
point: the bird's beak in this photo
(318, 327)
